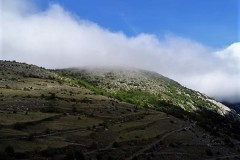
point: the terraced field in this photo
(47, 118)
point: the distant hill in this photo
(104, 113)
(26, 69)
(235, 106)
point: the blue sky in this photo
(194, 42)
(211, 22)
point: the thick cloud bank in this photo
(55, 38)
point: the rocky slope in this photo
(26, 69)
(108, 115)
(118, 80)
(235, 106)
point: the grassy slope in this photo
(50, 116)
(140, 87)
(149, 90)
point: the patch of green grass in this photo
(138, 123)
(170, 101)
(66, 122)
(7, 118)
(18, 145)
(138, 135)
(51, 142)
(18, 92)
(69, 122)
(123, 126)
(150, 130)
(75, 136)
(35, 144)
(11, 132)
(138, 97)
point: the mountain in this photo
(104, 113)
(235, 106)
(148, 89)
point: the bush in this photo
(9, 150)
(74, 109)
(94, 145)
(31, 137)
(50, 109)
(69, 154)
(79, 155)
(4, 156)
(52, 96)
(8, 87)
(115, 144)
(99, 156)
(47, 131)
(209, 152)
(19, 126)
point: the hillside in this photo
(147, 89)
(235, 106)
(93, 114)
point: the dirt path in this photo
(236, 156)
(148, 147)
(34, 122)
(143, 126)
(173, 153)
(109, 146)
(44, 135)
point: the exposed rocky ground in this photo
(50, 115)
(235, 106)
(120, 80)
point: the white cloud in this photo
(55, 39)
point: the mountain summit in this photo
(146, 88)
(109, 113)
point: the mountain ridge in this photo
(52, 114)
(113, 80)
(235, 106)
(126, 78)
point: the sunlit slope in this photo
(148, 89)
(49, 115)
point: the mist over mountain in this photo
(119, 80)
(57, 38)
(111, 113)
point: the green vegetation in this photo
(144, 99)
(63, 115)
(7, 118)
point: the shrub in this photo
(209, 152)
(52, 96)
(50, 109)
(99, 156)
(79, 155)
(8, 87)
(69, 154)
(19, 126)
(94, 145)
(31, 137)
(74, 109)
(115, 144)
(47, 131)
(9, 150)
